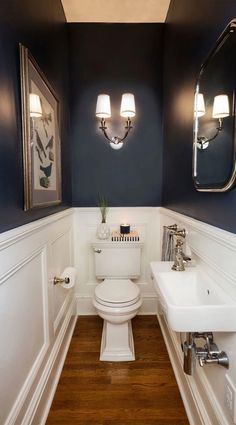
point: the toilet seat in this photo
(117, 293)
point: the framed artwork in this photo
(41, 137)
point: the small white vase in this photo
(103, 231)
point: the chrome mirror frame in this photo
(231, 27)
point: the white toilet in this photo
(117, 299)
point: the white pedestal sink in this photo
(192, 301)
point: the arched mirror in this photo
(214, 147)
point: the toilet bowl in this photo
(117, 299)
(117, 302)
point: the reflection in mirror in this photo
(214, 148)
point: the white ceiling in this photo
(123, 11)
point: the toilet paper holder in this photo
(57, 280)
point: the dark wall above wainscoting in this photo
(114, 59)
(40, 26)
(192, 28)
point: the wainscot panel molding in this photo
(37, 317)
(204, 393)
(143, 219)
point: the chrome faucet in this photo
(180, 258)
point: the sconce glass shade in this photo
(127, 108)
(103, 107)
(35, 106)
(220, 106)
(199, 105)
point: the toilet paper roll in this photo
(69, 272)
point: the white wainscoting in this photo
(204, 393)
(37, 318)
(86, 220)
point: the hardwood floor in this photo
(143, 392)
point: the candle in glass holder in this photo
(124, 229)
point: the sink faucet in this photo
(180, 257)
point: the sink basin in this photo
(192, 301)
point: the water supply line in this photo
(207, 354)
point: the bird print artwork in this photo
(43, 138)
(40, 144)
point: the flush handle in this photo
(97, 250)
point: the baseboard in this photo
(200, 403)
(149, 305)
(41, 400)
(85, 305)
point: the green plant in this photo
(103, 205)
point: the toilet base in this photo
(117, 343)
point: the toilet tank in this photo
(118, 260)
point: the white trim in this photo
(227, 239)
(199, 400)
(13, 236)
(41, 388)
(19, 402)
(60, 235)
(7, 275)
(19, 248)
(45, 297)
(68, 231)
(86, 210)
(85, 307)
(149, 305)
(62, 311)
(214, 249)
(207, 259)
(145, 220)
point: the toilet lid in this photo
(117, 291)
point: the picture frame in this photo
(41, 136)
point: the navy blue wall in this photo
(40, 26)
(191, 30)
(114, 59)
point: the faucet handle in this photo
(179, 232)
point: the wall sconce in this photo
(199, 105)
(127, 110)
(35, 109)
(220, 110)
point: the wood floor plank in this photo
(143, 392)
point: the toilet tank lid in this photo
(117, 290)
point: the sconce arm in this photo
(104, 128)
(116, 139)
(127, 128)
(202, 140)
